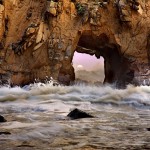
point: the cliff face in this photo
(38, 38)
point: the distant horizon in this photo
(87, 62)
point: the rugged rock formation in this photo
(38, 38)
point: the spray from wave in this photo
(135, 96)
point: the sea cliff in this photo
(38, 39)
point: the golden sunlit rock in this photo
(45, 34)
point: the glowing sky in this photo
(87, 62)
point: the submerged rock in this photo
(4, 133)
(2, 119)
(78, 114)
(148, 129)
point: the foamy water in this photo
(36, 117)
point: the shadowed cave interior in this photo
(116, 66)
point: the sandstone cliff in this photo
(38, 39)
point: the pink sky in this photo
(87, 62)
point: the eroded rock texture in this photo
(38, 38)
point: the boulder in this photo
(2, 119)
(78, 114)
(5, 133)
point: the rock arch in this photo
(40, 39)
(116, 66)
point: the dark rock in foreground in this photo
(148, 129)
(78, 114)
(2, 119)
(6, 133)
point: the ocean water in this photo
(36, 117)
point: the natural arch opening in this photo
(88, 69)
(117, 68)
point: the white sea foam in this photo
(38, 113)
(83, 93)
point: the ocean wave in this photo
(138, 96)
